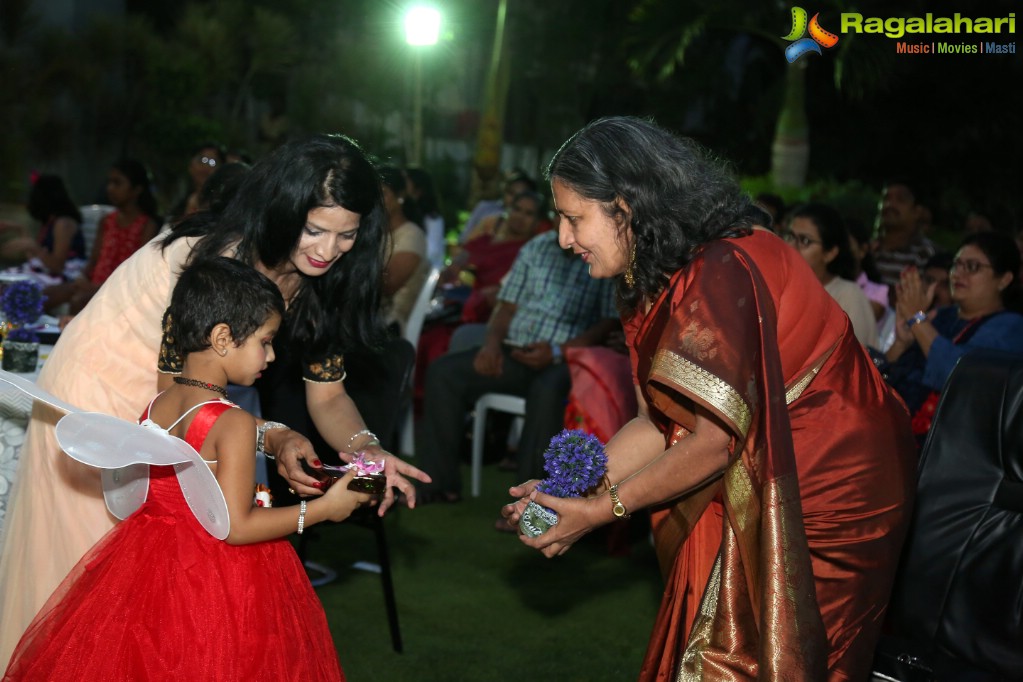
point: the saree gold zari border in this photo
(690, 668)
(705, 385)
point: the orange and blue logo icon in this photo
(802, 46)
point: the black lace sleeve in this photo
(170, 361)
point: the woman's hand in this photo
(577, 516)
(911, 295)
(512, 511)
(289, 448)
(397, 472)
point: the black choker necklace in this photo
(201, 384)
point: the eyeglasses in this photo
(800, 240)
(207, 161)
(970, 267)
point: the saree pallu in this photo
(782, 567)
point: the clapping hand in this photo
(911, 296)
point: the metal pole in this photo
(417, 114)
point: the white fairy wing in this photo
(119, 447)
(124, 451)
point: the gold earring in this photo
(630, 279)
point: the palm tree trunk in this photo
(790, 153)
(487, 160)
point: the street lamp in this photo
(422, 26)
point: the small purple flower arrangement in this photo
(575, 462)
(22, 303)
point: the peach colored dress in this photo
(105, 361)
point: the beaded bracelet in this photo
(364, 432)
(261, 436)
(301, 516)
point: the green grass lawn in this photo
(475, 604)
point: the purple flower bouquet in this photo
(22, 304)
(575, 462)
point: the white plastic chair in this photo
(413, 328)
(92, 215)
(504, 402)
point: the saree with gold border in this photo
(781, 568)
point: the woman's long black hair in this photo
(678, 198)
(338, 310)
(49, 198)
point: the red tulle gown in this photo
(158, 598)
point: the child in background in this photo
(122, 232)
(159, 597)
(57, 253)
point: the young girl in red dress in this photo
(121, 233)
(159, 597)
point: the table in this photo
(15, 411)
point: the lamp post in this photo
(422, 26)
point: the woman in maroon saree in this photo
(777, 465)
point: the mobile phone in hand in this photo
(515, 344)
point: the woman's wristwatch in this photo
(918, 317)
(618, 509)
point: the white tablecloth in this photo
(15, 410)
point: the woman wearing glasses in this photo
(984, 314)
(821, 239)
(205, 160)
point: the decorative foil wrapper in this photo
(536, 519)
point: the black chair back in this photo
(958, 599)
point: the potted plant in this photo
(22, 304)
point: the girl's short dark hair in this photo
(833, 233)
(220, 290)
(678, 197)
(263, 223)
(49, 198)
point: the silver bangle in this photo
(301, 516)
(261, 436)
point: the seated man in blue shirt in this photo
(547, 301)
